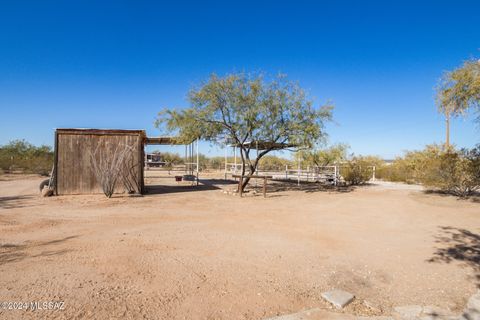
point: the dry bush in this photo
(128, 173)
(110, 165)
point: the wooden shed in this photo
(82, 154)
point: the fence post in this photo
(298, 173)
(264, 187)
(226, 146)
(335, 175)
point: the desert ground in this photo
(183, 252)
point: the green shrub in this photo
(274, 163)
(409, 168)
(454, 172)
(23, 156)
(357, 171)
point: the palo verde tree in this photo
(459, 91)
(242, 108)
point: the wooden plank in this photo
(74, 174)
(55, 163)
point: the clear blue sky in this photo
(115, 64)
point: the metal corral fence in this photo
(322, 174)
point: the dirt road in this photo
(186, 253)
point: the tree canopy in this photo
(459, 90)
(241, 108)
(324, 157)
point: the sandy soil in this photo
(198, 253)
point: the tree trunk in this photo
(247, 179)
(251, 166)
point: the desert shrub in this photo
(216, 163)
(411, 167)
(274, 163)
(172, 158)
(454, 172)
(21, 155)
(336, 153)
(356, 171)
(398, 171)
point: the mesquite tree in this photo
(241, 108)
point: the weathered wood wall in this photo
(77, 149)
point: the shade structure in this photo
(265, 145)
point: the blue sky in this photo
(116, 64)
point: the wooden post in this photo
(298, 172)
(235, 159)
(198, 161)
(240, 183)
(186, 158)
(258, 164)
(264, 187)
(226, 146)
(335, 176)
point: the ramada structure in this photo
(81, 153)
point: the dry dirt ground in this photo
(198, 253)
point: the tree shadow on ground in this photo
(458, 245)
(475, 197)
(13, 202)
(278, 186)
(204, 185)
(18, 252)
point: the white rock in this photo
(296, 316)
(408, 312)
(474, 302)
(470, 314)
(338, 298)
(435, 311)
(46, 191)
(314, 314)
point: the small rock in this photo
(46, 191)
(338, 298)
(470, 314)
(314, 314)
(474, 302)
(408, 312)
(435, 311)
(296, 316)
